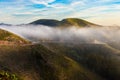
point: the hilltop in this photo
(64, 23)
(8, 37)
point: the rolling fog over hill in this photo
(68, 52)
(59, 40)
(37, 33)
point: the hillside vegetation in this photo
(98, 58)
(64, 23)
(35, 62)
(60, 62)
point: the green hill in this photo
(47, 22)
(64, 23)
(54, 61)
(6, 36)
(35, 62)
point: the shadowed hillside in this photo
(35, 62)
(64, 23)
(60, 61)
(98, 58)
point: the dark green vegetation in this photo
(64, 23)
(8, 76)
(10, 37)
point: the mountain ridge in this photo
(64, 23)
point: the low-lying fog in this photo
(72, 34)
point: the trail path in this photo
(7, 43)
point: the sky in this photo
(104, 12)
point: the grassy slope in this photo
(77, 22)
(100, 59)
(7, 36)
(35, 62)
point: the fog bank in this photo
(72, 34)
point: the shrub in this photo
(8, 76)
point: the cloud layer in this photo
(71, 34)
(45, 2)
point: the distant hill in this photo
(8, 37)
(5, 24)
(64, 23)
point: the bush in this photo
(8, 76)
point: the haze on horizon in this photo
(104, 12)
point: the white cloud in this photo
(24, 13)
(45, 2)
(58, 6)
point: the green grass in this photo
(8, 76)
(77, 22)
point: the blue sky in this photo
(106, 12)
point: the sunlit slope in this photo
(101, 59)
(35, 62)
(64, 23)
(77, 22)
(10, 37)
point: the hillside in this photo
(8, 37)
(35, 62)
(54, 61)
(64, 23)
(101, 59)
(57, 60)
